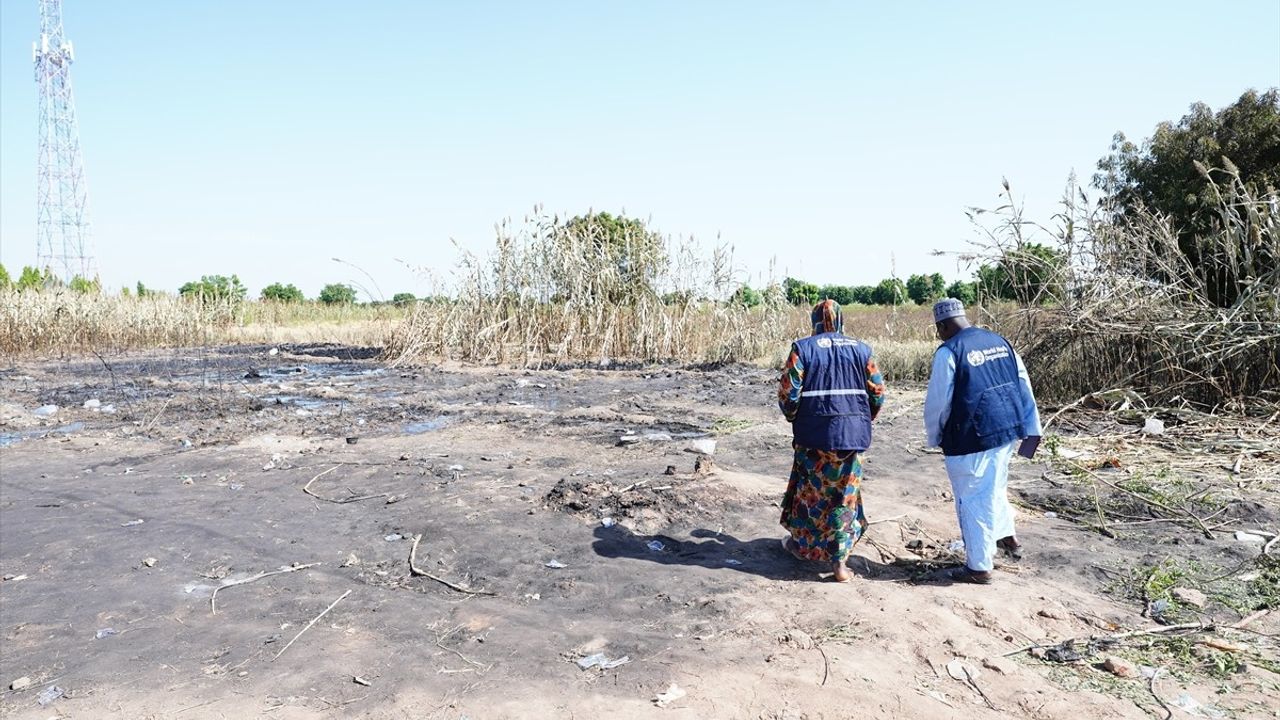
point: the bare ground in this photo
(506, 475)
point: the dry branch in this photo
(415, 570)
(356, 498)
(1187, 514)
(308, 627)
(1116, 637)
(213, 599)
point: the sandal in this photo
(965, 575)
(789, 546)
(1011, 547)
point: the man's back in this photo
(986, 403)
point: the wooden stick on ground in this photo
(308, 627)
(1151, 686)
(1150, 501)
(307, 489)
(415, 570)
(213, 599)
(888, 519)
(1118, 636)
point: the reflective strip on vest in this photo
(823, 393)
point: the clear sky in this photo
(842, 139)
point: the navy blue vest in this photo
(834, 413)
(986, 405)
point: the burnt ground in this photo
(570, 495)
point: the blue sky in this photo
(840, 140)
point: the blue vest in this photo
(987, 402)
(834, 412)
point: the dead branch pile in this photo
(1125, 307)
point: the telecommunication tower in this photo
(63, 245)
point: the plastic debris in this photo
(956, 546)
(393, 537)
(149, 562)
(554, 564)
(1153, 426)
(672, 694)
(1064, 652)
(106, 632)
(131, 523)
(49, 694)
(1051, 514)
(273, 351)
(92, 404)
(1249, 537)
(655, 546)
(46, 410)
(705, 446)
(361, 681)
(731, 561)
(960, 670)
(21, 683)
(608, 522)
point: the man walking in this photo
(978, 406)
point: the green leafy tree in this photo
(842, 294)
(965, 292)
(864, 294)
(31, 279)
(1025, 275)
(403, 299)
(142, 290)
(337, 294)
(217, 288)
(5, 280)
(1169, 172)
(926, 288)
(83, 286)
(890, 291)
(277, 292)
(799, 292)
(746, 296)
(622, 256)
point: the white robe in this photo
(979, 481)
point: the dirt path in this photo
(519, 485)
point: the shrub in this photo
(800, 292)
(282, 293)
(337, 294)
(890, 291)
(746, 297)
(924, 289)
(215, 288)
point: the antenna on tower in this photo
(63, 245)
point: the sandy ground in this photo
(116, 527)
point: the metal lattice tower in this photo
(63, 245)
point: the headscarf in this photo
(826, 317)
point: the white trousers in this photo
(980, 483)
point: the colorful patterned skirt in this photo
(822, 508)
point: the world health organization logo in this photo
(976, 357)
